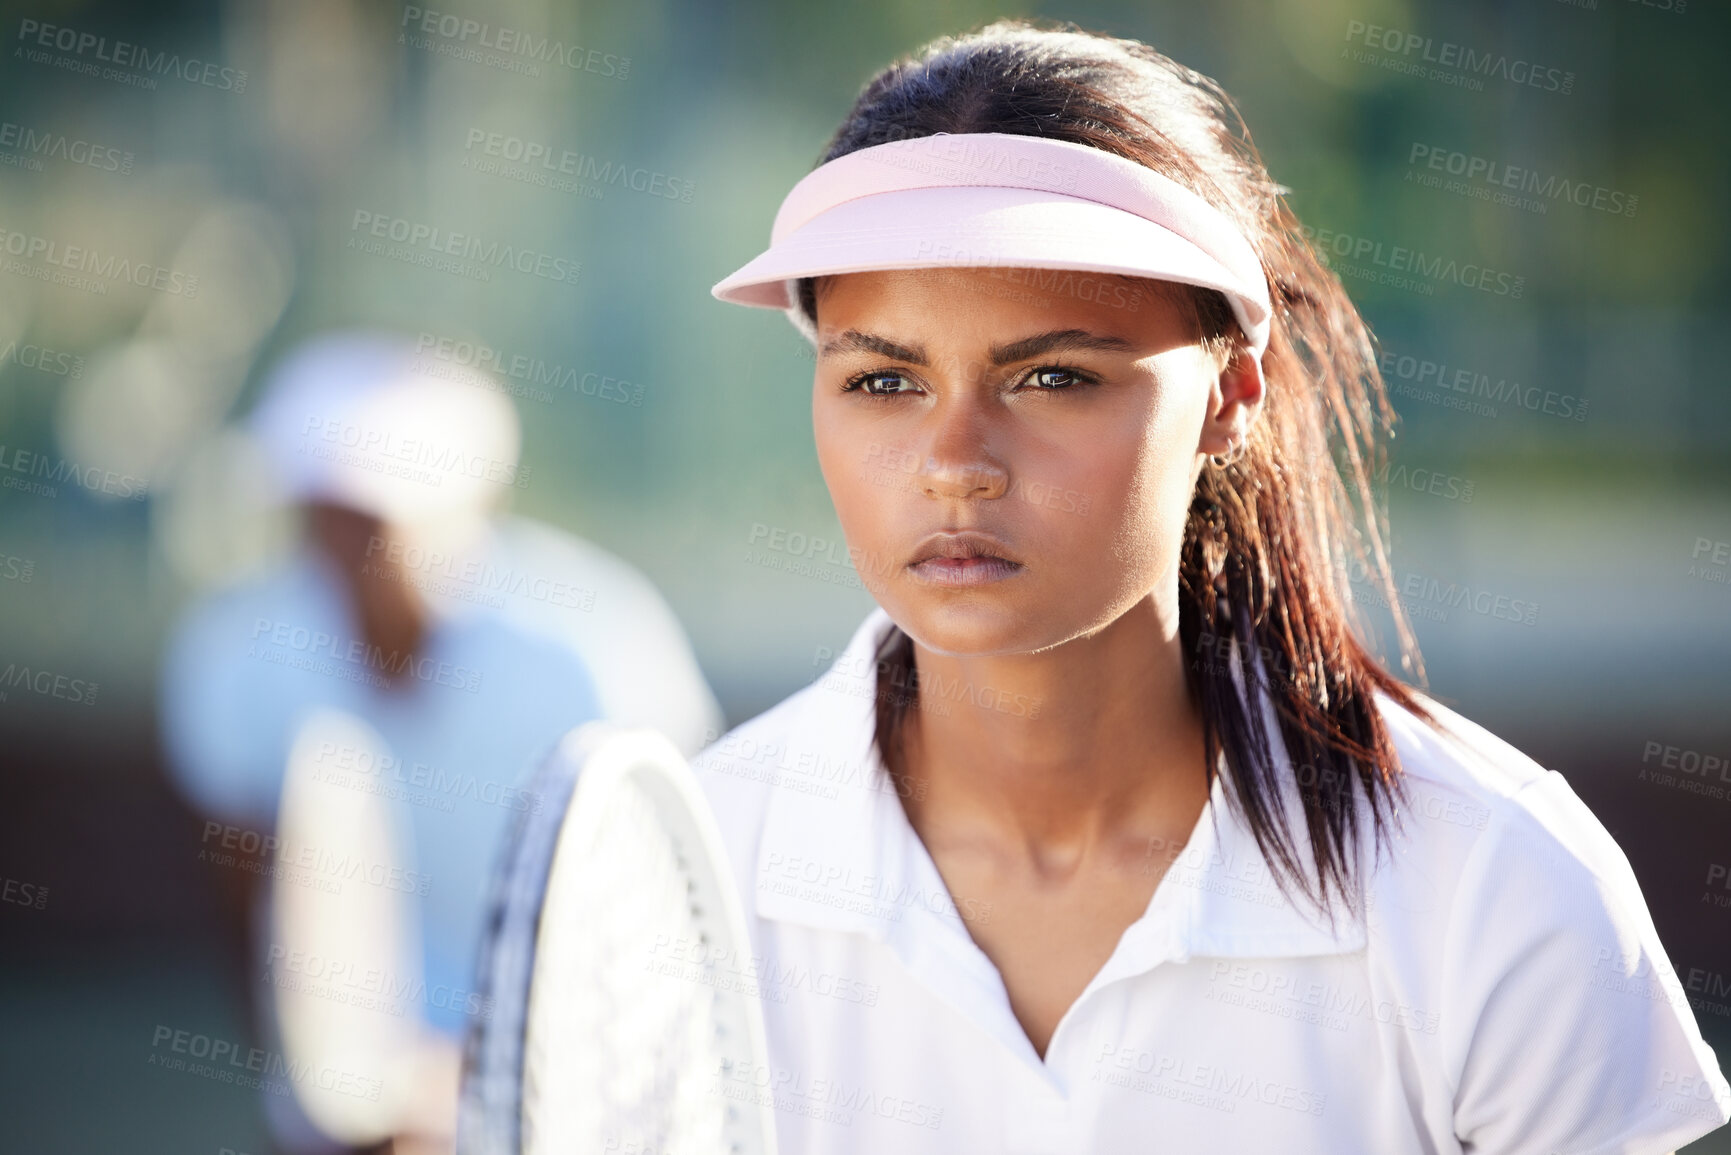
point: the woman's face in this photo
(1013, 470)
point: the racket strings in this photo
(630, 1027)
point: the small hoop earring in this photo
(1233, 454)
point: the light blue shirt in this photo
(485, 699)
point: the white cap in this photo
(357, 419)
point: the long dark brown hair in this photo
(1272, 537)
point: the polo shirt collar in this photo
(852, 861)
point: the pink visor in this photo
(972, 200)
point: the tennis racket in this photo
(613, 961)
(337, 925)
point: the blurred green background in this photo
(1589, 475)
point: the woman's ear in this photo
(1234, 404)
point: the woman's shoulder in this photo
(1455, 753)
(1512, 896)
(1458, 775)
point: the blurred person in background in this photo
(466, 640)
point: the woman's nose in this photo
(958, 461)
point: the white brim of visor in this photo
(991, 228)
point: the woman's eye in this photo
(883, 384)
(1053, 378)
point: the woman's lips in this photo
(962, 557)
(964, 571)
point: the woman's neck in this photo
(1061, 756)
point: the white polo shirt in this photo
(1507, 993)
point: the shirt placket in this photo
(1038, 1108)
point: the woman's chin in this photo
(967, 627)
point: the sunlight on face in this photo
(1068, 432)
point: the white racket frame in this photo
(609, 756)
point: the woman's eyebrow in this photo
(1055, 341)
(1058, 339)
(855, 341)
